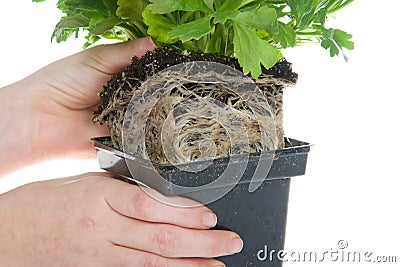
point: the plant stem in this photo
(171, 17)
(186, 17)
(142, 30)
(337, 8)
(132, 32)
(313, 33)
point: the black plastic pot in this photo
(259, 217)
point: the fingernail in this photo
(150, 41)
(235, 245)
(209, 219)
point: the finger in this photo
(173, 241)
(83, 130)
(132, 201)
(122, 257)
(114, 58)
(96, 177)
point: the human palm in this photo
(65, 95)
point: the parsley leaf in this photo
(253, 31)
(251, 50)
(160, 7)
(283, 34)
(159, 27)
(228, 10)
(335, 40)
(192, 30)
(342, 38)
(252, 18)
(192, 5)
(302, 11)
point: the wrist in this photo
(16, 118)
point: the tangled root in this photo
(196, 120)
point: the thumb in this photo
(74, 81)
(114, 58)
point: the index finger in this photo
(148, 205)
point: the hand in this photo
(93, 220)
(49, 114)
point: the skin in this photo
(91, 219)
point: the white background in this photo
(348, 110)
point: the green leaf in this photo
(215, 43)
(209, 4)
(336, 5)
(132, 10)
(162, 35)
(283, 34)
(251, 50)
(68, 26)
(342, 38)
(129, 9)
(322, 4)
(192, 30)
(94, 6)
(79, 15)
(335, 41)
(246, 2)
(112, 5)
(90, 40)
(61, 35)
(230, 6)
(254, 31)
(329, 45)
(160, 7)
(105, 25)
(192, 5)
(218, 3)
(222, 17)
(228, 10)
(302, 10)
(157, 20)
(72, 22)
(159, 27)
(320, 16)
(260, 18)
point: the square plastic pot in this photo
(259, 217)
